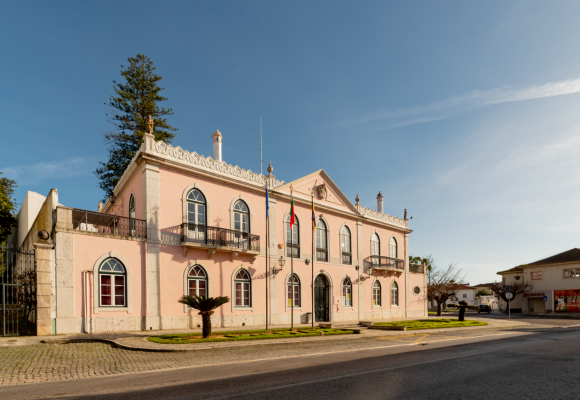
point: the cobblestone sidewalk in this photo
(42, 363)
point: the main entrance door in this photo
(321, 299)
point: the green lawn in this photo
(195, 337)
(432, 323)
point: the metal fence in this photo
(417, 268)
(219, 237)
(17, 293)
(91, 221)
(383, 262)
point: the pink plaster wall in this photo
(87, 249)
(135, 184)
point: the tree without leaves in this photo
(206, 307)
(517, 288)
(442, 283)
(7, 207)
(133, 102)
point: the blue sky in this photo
(465, 113)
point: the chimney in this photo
(380, 203)
(217, 145)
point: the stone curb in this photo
(119, 343)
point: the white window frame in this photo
(346, 302)
(96, 285)
(317, 240)
(393, 248)
(343, 239)
(296, 287)
(377, 297)
(295, 231)
(244, 284)
(394, 294)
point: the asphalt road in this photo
(541, 363)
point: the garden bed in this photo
(432, 324)
(195, 337)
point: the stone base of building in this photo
(131, 323)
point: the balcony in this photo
(213, 238)
(417, 268)
(90, 221)
(383, 263)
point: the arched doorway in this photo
(321, 299)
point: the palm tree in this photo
(205, 306)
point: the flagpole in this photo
(267, 246)
(292, 263)
(313, 256)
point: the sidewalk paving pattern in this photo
(53, 362)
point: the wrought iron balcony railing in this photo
(215, 237)
(97, 222)
(384, 263)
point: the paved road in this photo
(535, 363)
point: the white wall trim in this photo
(288, 308)
(96, 284)
(252, 290)
(184, 203)
(330, 292)
(185, 285)
(240, 197)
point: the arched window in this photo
(196, 208)
(345, 244)
(376, 293)
(321, 242)
(112, 283)
(394, 294)
(292, 238)
(346, 292)
(241, 217)
(293, 291)
(375, 245)
(375, 250)
(197, 282)
(393, 248)
(243, 288)
(132, 215)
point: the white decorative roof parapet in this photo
(367, 212)
(208, 162)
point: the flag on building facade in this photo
(292, 217)
(313, 216)
(267, 203)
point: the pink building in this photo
(180, 223)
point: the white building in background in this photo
(465, 293)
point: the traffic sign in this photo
(509, 289)
(545, 298)
(509, 296)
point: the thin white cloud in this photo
(64, 169)
(407, 123)
(473, 99)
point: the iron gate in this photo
(17, 293)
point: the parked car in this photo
(484, 308)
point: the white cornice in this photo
(372, 214)
(208, 163)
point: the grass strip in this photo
(432, 323)
(242, 335)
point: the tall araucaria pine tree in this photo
(134, 100)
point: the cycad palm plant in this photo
(206, 307)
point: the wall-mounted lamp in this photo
(281, 262)
(307, 261)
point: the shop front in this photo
(567, 300)
(536, 302)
